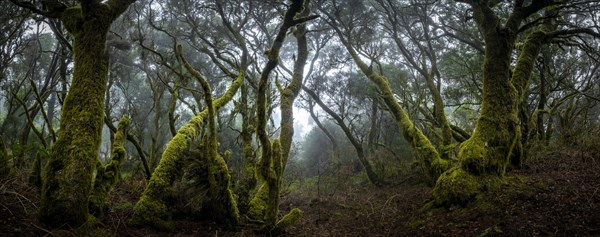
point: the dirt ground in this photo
(559, 195)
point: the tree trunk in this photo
(248, 180)
(496, 141)
(69, 172)
(5, 168)
(108, 175)
(152, 207)
(358, 147)
(264, 206)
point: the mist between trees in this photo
(225, 106)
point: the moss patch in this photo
(289, 219)
(456, 186)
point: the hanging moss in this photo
(108, 175)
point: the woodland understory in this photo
(299, 118)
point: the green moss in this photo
(153, 212)
(456, 186)
(247, 183)
(72, 18)
(69, 171)
(526, 61)
(459, 187)
(152, 208)
(223, 204)
(107, 176)
(473, 155)
(258, 205)
(423, 146)
(289, 219)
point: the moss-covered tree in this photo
(153, 207)
(264, 206)
(70, 169)
(432, 163)
(421, 54)
(222, 202)
(496, 141)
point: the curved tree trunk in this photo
(358, 147)
(152, 207)
(433, 164)
(264, 206)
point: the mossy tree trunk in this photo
(432, 163)
(134, 141)
(496, 141)
(222, 202)
(248, 181)
(68, 181)
(426, 65)
(153, 208)
(264, 206)
(108, 175)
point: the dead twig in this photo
(42, 229)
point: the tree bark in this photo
(152, 207)
(108, 175)
(432, 163)
(484, 157)
(68, 182)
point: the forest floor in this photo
(556, 195)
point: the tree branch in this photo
(55, 13)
